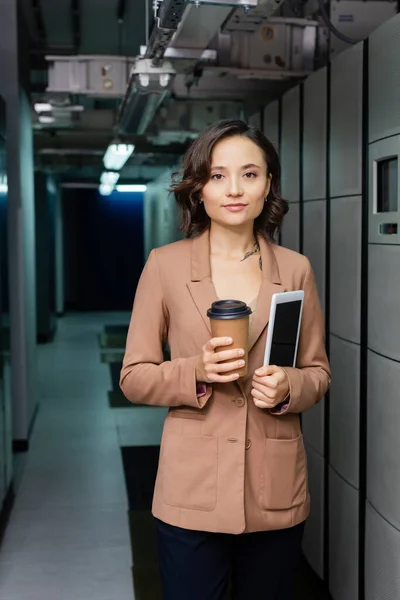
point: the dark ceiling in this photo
(108, 27)
(88, 27)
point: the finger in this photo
(267, 370)
(261, 404)
(227, 355)
(269, 381)
(225, 367)
(259, 397)
(215, 378)
(270, 394)
(215, 342)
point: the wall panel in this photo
(314, 242)
(345, 144)
(313, 542)
(343, 539)
(384, 300)
(315, 136)
(291, 228)
(384, 80)
(382, 558)
(345, 268)
(344, 405)
(383, 478)
(271, 123)
(290, 145)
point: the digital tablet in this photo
(284, 329)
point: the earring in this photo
(201, 201)
(266, 199)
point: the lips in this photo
(235, 207)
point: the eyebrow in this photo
(249, 166)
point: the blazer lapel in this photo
(203, 292)
(200, 285)
(271, 284)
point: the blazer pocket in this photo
(283, 482)
(189, 467)
(188, 413)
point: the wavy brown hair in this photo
(196, 170)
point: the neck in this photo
(231, 242)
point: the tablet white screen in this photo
(284, 336)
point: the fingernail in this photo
(240, 352)
(229, 340)
(241, 363)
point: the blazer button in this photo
(248, 444)
(239, 402)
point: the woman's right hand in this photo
(209, 368)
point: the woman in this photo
(231, 494)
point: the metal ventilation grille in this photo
(384, 80)
(382, 559)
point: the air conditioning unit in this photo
(102, 76)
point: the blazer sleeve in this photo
(145, 377)
(310, 380)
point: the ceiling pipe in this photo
(121, 11)
(76, 23)
(39, 21)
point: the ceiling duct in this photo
(148, 87)
(169, 15)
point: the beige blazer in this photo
(225, 465)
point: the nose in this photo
(233, 187)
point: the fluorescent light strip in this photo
(44, 119)
(105, 189)
(109, 178)
(117, 155)
(43, 107)
(3, 188)
(131, 188)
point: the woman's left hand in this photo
(270, 386)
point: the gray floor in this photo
(68, 537)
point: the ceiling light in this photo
(3, 184)
(131, 188)
(73, 108)
(43, 119)
(117, 155)
(109, 178)
(105, 189)
(43, 107)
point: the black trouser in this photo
(196, 565)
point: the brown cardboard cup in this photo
(230, 318)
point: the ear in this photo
(268, 186)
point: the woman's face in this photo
(238, 185)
